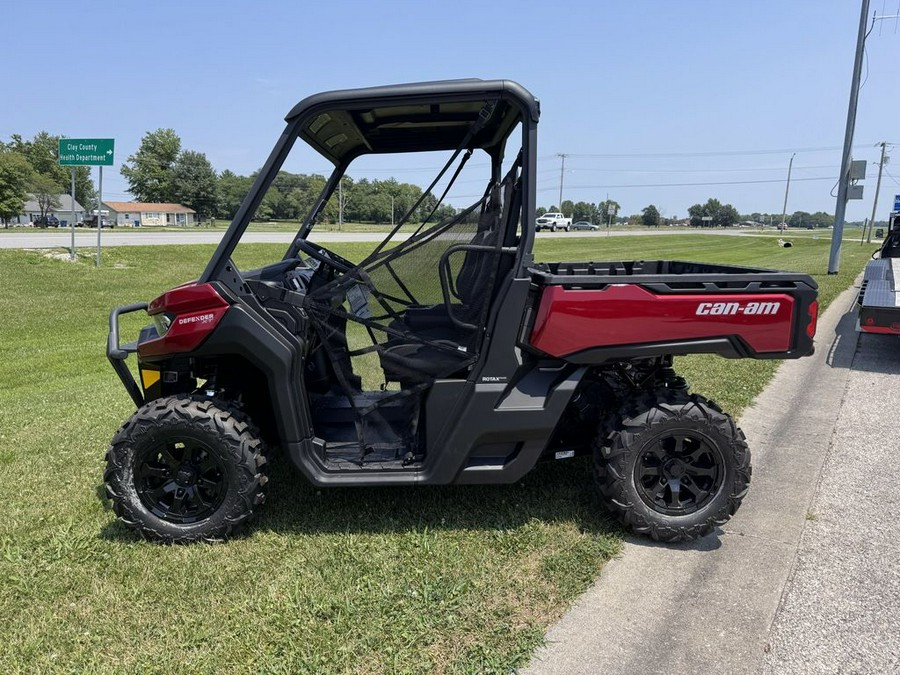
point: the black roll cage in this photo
(515, 95)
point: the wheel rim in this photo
(679, 472)
(181, 480)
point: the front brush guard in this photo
(117, 354)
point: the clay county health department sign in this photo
(86, 151)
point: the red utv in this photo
(446, 355)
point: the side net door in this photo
(411, 313)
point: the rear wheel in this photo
(184, 469)
(674, 467)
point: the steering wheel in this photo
(325, 256)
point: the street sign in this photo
(97, 152)
(896, 202)
(86, 151)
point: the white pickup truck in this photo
(552, 221)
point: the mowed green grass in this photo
(452, 579)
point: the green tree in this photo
(42, 153)
(567, 207)
(821, 219)
(194, 183)
(799, 219)
(232, 190)
(149, 170)
(15, 176)
(46, 192)
(267, 207)
(650, 216)
(584, 211)
(727, 216)
(607, 211)
(723, 215)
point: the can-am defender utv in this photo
(447, 355)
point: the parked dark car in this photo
(91, 221)
(46, 221)
(585, 225)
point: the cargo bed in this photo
(590, 312)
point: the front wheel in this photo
(553, 228)
(183, 469)
(673, 469)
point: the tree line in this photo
(601, 213)
(161, 171)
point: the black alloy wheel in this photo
(185, 468)
(672, 466)
(181, 481)
(679, 473)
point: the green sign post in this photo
(87, 152)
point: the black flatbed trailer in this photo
(879, 296)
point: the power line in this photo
(702, 184)
(715, 153)
(729, 170)
(891, 176)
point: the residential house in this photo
(150, 214)
(31, 211)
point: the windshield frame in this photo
(428, 92)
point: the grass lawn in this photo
(458, 579)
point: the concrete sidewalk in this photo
(710, 606)
(840, 612)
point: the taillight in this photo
(813, 316)
(184, 317)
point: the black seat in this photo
(413, 359)
(413, 363)
(433, 321)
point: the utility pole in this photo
(341, 203)
(786, 190)
(609, 215)
(840, 209)
(877, 189)
(562, 171)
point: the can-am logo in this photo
(732, 308)
(197, 318)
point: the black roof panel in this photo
(425, 116)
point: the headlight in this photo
(162, 321)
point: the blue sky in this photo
(633, 91)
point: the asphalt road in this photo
(805, 578)
(28, 238)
